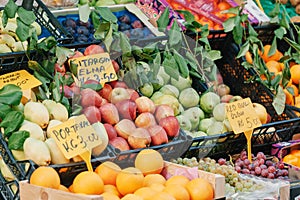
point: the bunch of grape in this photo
(234, 183)
(260, 166)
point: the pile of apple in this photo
(131, 121)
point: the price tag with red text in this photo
(21, 78)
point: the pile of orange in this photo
(131, 183)
(274, 66)
(293, 158)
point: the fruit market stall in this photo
(148, 100)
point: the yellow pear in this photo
(37, 151)
(57, 156)
(36, 112)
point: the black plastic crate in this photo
(173, 149)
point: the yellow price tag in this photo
(21, 78)
(95, 67)
(243, 118)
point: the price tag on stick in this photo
(21, 78)
(243, 118)
(76, 137)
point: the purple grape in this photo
(238, 169)
(244, 157)
(252, 172)
(251, 166)
(221, 161)
(255, 163)
(137, 24)
(258, 170)
(243, 153)
(125, 19)
(260, 155)
(271, 169)
(281, 165)
(285, 172)
(245, 171)
(269, 163)
(264, 173)
(69, 22)
(261, 161)
(279, 173)
(246, 161)
(271, 176)
(263, 167)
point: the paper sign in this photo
(21, 78)
(242, 116)
(75, 136)
(95, 67)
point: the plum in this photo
(137, 24)
(124, 19)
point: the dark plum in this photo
(136, 33)
(83, 30)
(137, 24)
(124, 27)
(69, 22)
(70, 30)
(82, 38)
(124, 19)
(85, 24)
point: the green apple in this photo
(146, 89)
(205, 123)
(105, 3)
(194, 114)
(182, 83)
(189, 97)
(208, 101)
(184, 122)
(219, 112)
(170, 89)
(156, 95)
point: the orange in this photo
(108, 172)
(291, 160)
(295, 89)
(129, 180)
(71, 189)
(149, 161)
(109, 196)
(111, 189)
(266, 58)
(224, 5)
(296, 152)
(248, 57)
(163, 196)
(88, 182)
(145, 192)
(178, 191)
(158, 187)
(295, 73)
(177, 180)
(63, 188)
(153, 178)
(272, 64)
(289, 98)
(131, 197)
(281, 66)
(45, 177)
(200, 189)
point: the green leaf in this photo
(10, 95)
(4, 109)
(252, 31)
(244, 49)
(84, 12)
(284, 21)
(17, 139)
(62, 54)
(181, 63)
(12, 122)
(192, 61)
(22, 31)
(238, 33)
(106, 14)
(26, 16)
(125, 44)
(4, 19)
(291, 90)
(276, 80)
(163, 20)
(171, 67)
(214, 55)
(10, 9)
(34, 65)
(229, 24)
(275, 12)
(273, 47)
(95, 87)
(108, 38)
(175, 36)
(293, 44)
(280, 32)
(100, 32)
(95, 19)
(187, 15)
(279, 101)
(156, 64)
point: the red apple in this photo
(117, 83)
(118, 94)
(75, 88)
(140, 138)
(91, 81)
(77, 54)
(60, 68)
(145, 120)
(163, 111)
(93, 49)
(171, 125)
(120, 143)
(111, 131)
(115, 65)
(109, 113)
(158, 135)
(68, 92)
(105, 91)
(125, 127)
(269, 118)
(92, 113)
(133, 94)
(226, 98)
(145, 104)
(127, 109)
(90, 97)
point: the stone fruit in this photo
(127, 109)
(162, 111)
(103, 137)
(45, 177)
(219, 112)
(90, 97)
(184, 123)
(57, 156)
(125, 127)
(108, 171)
(194, 114)
(120, 143)
(144, 104)
(205, 123)
(118, 94)
(158, 135)
(208, 101)
(146, 89)
(37, 113)
(149, 161)
(51, 124)
(189, 98)
(88, 182)
(34, 130)
(92, 114)
(171, 125)
(111, 131)
(109, 113)
(222, 90)
(182, 83)
(139, 138)
(145, 120)
(37, 151)
(170, 90)
(105, 91)
(168, 100)
(261, 112)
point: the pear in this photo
(208, 101)
(189, 97)
(18, 154)
(156, 95)
(216, 129)
(36, 112)
(184, 123)
(56, 110)
(37, 27)
(52, 123)
(34, 130)
(4, 48)
(182, 83)
(219, 112)
(37, 151)
(158, 83)
(28, 95)
(205, 123)
(101, 132)
(57, 156)
(194, 114)
(169, 100)
(169, 89)
(5, 171)
(7, 39)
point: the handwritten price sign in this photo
(242, 116)
(75, 136)
(95, 67)
(21, 78)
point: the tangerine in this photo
(289, 98)
(154, 178)
(291, 160)
(266, 57)
(149, 161)
(70, 188)
(177, 180)
(200, 189)
(158, 187)
(295, 89)
(45, 177)
(248, 57)
(145, 192)
(131, 197)
(129, 180)
(88, 182)
(179, 192)
(295, 73)
(108, 172)
(224, 5)
(111, 189)
(109, 196)
(163, 196)
(63, 188)
(272, 64)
